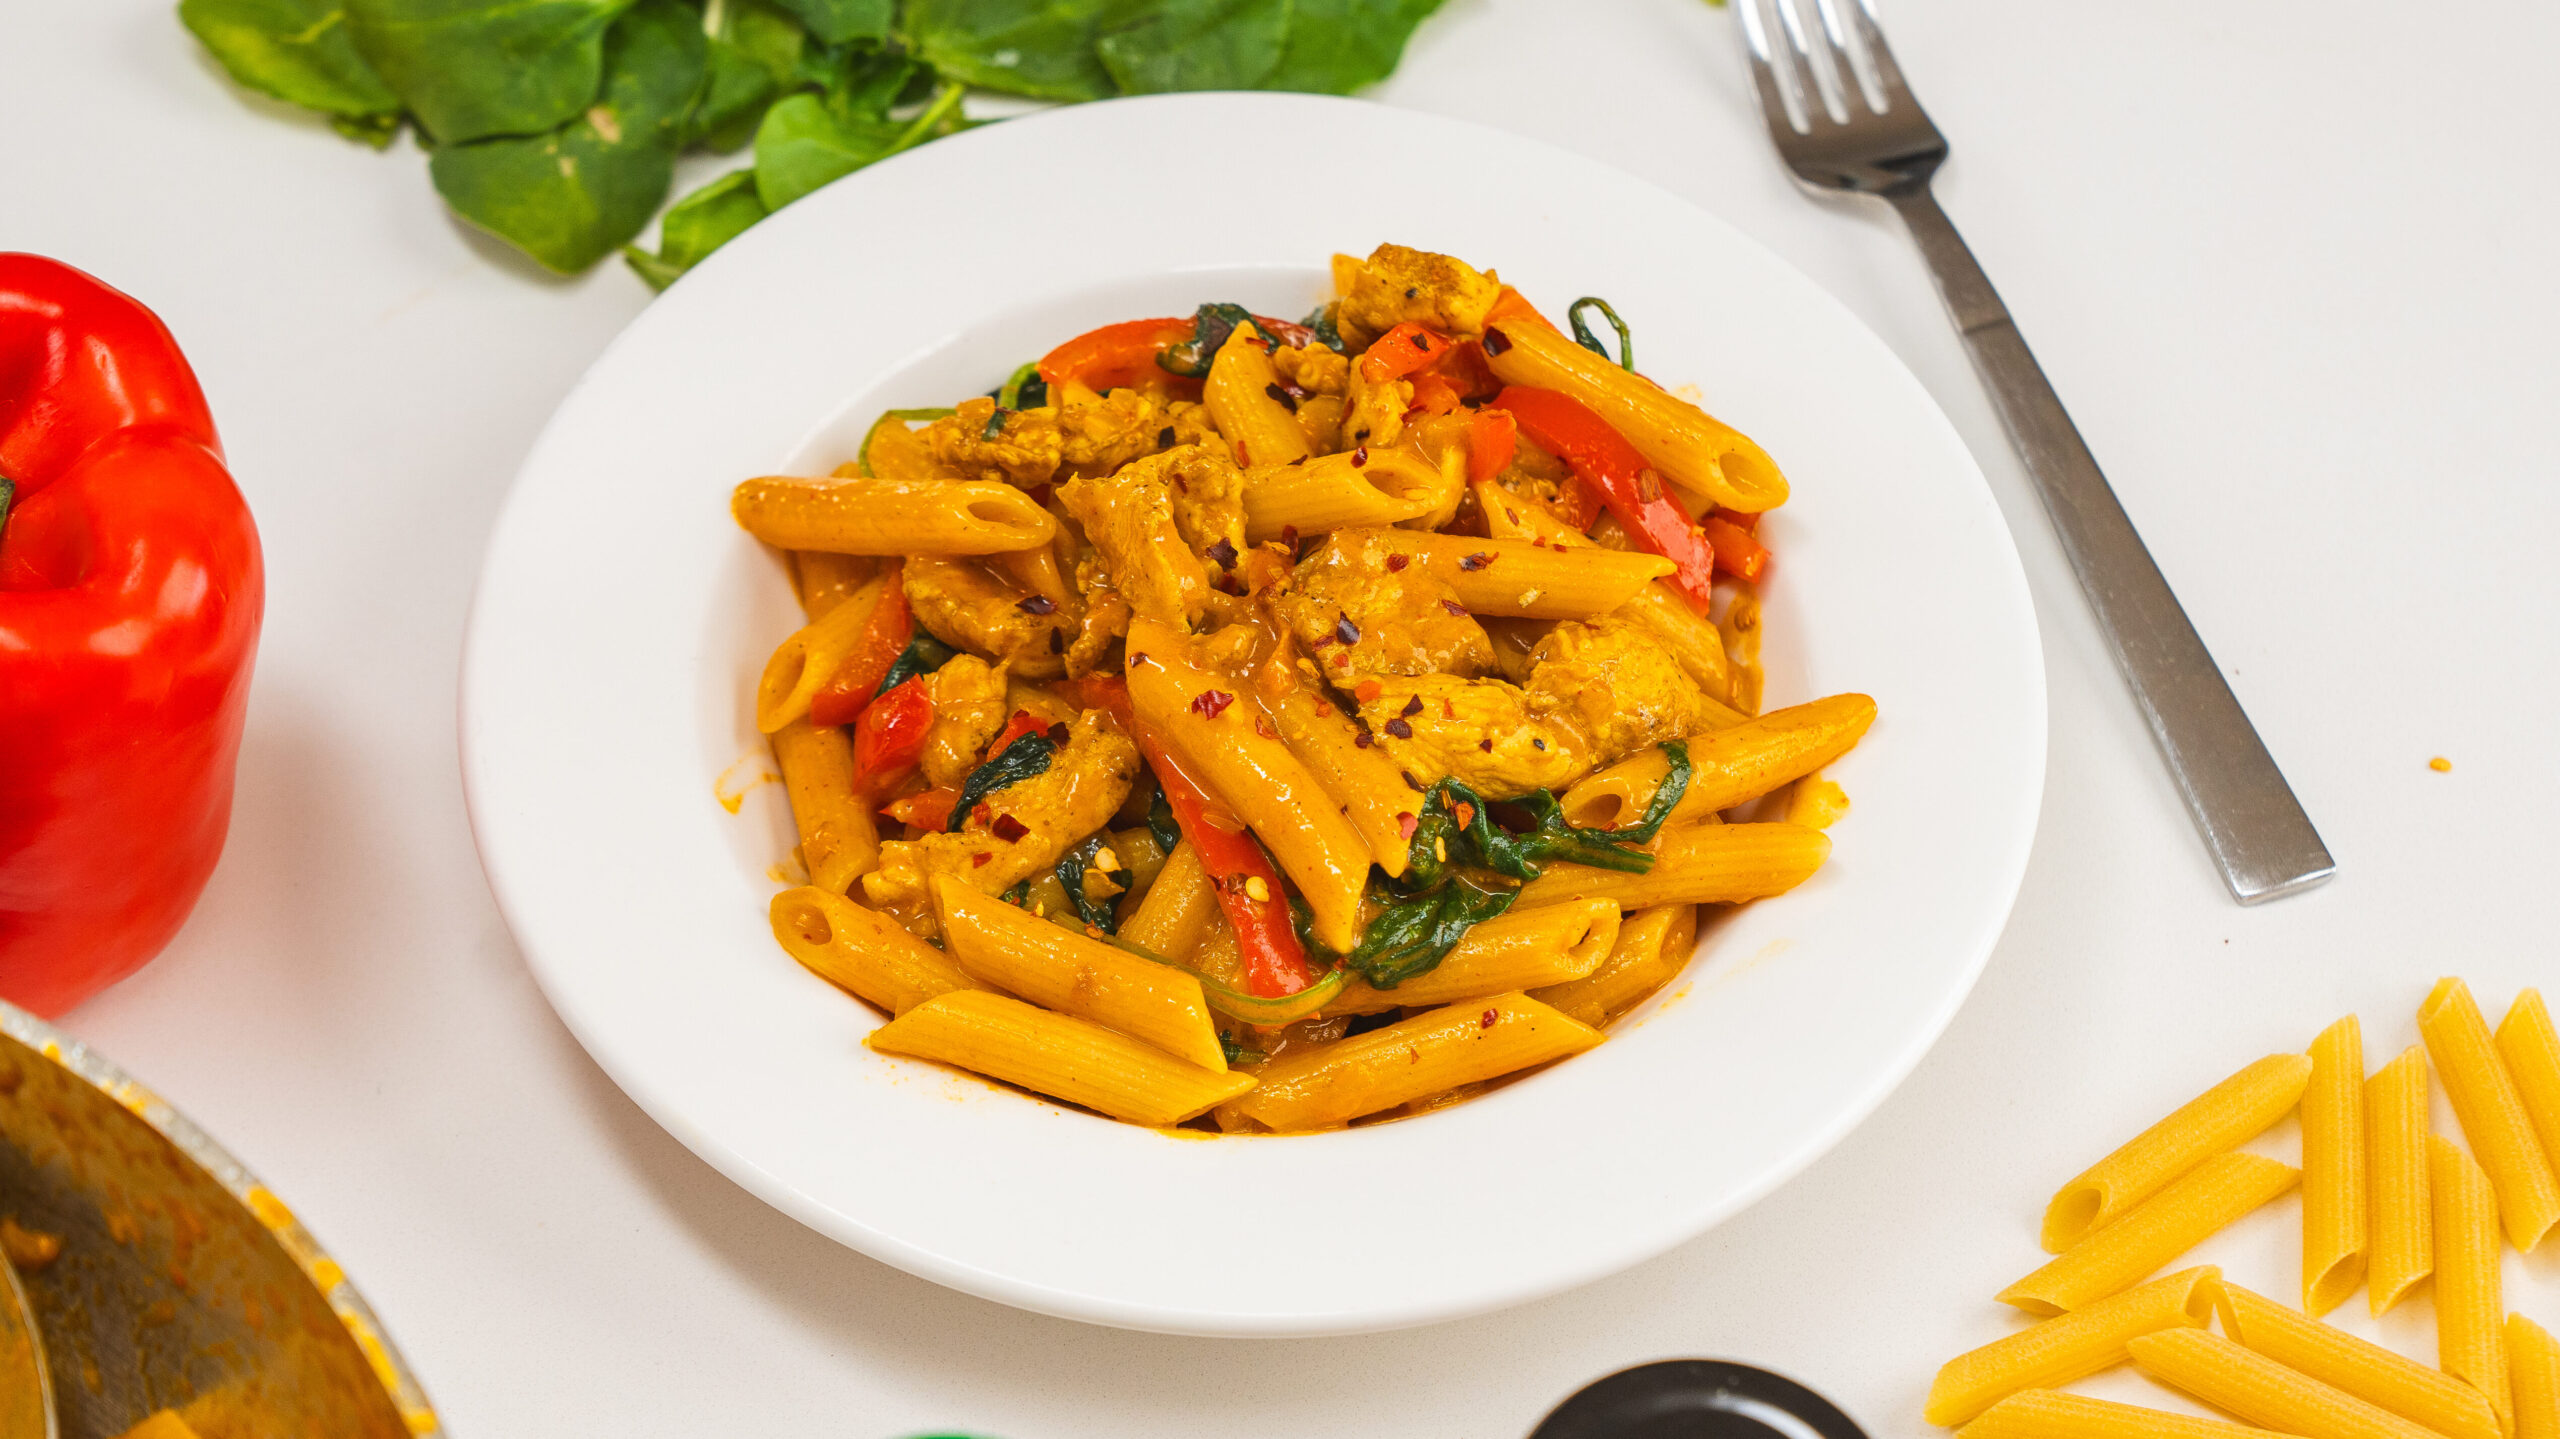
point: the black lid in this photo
(1696, 1399)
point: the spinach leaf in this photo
(1412, 936)
(756, 55)
(804, 142)
(840, 21)
(1625, 359)
(1327, 331)
(296, 50)
(699, 224)
(573, 196)
(1040, 48)
(1237, 1053)
(1549, 838)
(470, 69)
(377, 131)
(1071, 871)
(1209, 332)
(1029, 755)
(923, 655)
(1161, 825)
(1196, 45)
(1021, 390)
(1338, 46)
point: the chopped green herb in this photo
(1161, 825)
(1072, 867)
(1029, 755)
(1209, 335)
(1582, 331)
(923, 655)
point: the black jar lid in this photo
(1697, 1399)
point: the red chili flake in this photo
(1410, 782)
(1421, 342)
(1360, 456)
(1414, 292)
(1489, 1017)
(1008, 829)
(1486, 745)
(1465, 814)
(1263, 728)
(981, 858)
(1288, 534)
(1058, 734)
(1320, 641)
(1495, 342)
(1397, 562)
(1140, 658)
(1345, 631)
(1455, 608)
(1323, 710)
(1367, 690)
(1481, 559)
(1165, 438)
(1057, 642)
(1037, 605)
(1412, 706)
(1280, 392)
(1406, 824)
(1224, 552)
(1362, 740)
(1243, 456)
(1648, 486)
(1209, 704)
(1342, 661)
(1539, 743)
(1399, 729)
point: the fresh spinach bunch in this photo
(556, 124)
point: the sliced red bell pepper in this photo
(1109, 693)
(1603, 460)
(1116, 356)
(888, 739)
(1493, 437)
(1738, 551)
(1275, 964)
(885, 636)
(1400, 352)
(929, 811)
(1023, 722)
(1432, 395)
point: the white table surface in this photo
(2289, 264)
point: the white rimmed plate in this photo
(622, 618)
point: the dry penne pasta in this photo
(2533, 1368)
(862, 950)
(2531, 1049)
(2470, 1307)
(1240, 395)
(2222, 1118)
(1653, 946)
(839, 840)
(1695, 864)
(2168, 1224)
(2492, 1113)
(1178, 908)
(1522, 950)
(1057, 1055)
(865, 516)
(1504, 577)
(1333, 492)
(2403, 1248)
(1007, 949)
(1727, 766)
(2429, 1398)
(1411, 1059)
(2068, 1346)
(2333, 1169)
(802, 664)
(2049, 1414)
(2260, 1390)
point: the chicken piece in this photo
(1488, 734)
(1192, 424)
(1316, 369)
(963, 604)
(1130, 519)
(968, 711)
(1373, 414)
(1024, 451)
(1208, 502)
(1106, 619)
(1616, 683)
(1085, 784)
(1361, 613)
(1396, 284)
(1103, 434)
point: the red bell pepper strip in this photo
(131, 588)
(886, 633)
(1604, 461)
(1512, 305)
(1275, 964)
(1432, 395)
(1116, 356)
(929, 810)
(1400, 352)
(1108, 693)
(1738, 551)
(1493, 437)
(889, 738)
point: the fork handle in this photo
(2256, 829)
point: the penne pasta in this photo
(1006, 948)
(824, 581)
(1240, 395)
(2531, 1049)
(2403, 1248)
(1727, 767)
(1411, 1059)
(1361, 781)
(839, 839)
(2333, 1163)
(1653, 946)
(1520, 950)
(801, 665)
(2168, 1224)
(2068, 1346)
(1709, 461)
(861, 516)
(861, 950)
(2533, 1367)
(1333, 492)
(2262, 1391)
(1695, 864)
(1685, 633)
(2222, 1118)
(2492, 1113)
(2426, 1397)
(1505, 577)
(1057, 1055)
(2046, 1414)
(2469, 1306)
(1176, 912)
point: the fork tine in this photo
(1862, 16)
(1807, 67)
(1844, 60)
(1764, 74)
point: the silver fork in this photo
(1844, 120)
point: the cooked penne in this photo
(1362, 782)
(2168, 1224)
(2533, 1367)
(1695, 864)
(1057, 1055)
(1816, 803)
(1505, 577)
(1713, 463)
(2469, 1304)
(1411, 1059)
(2403, 1248)
(2429, 1398)
(2262, 1391)
(2068, 1346)
(2222, 1118)
(2333, 1161)
(1520, 950)
(824, 581)
(1006, 948)
(2046, 1414)
(1684, 631)
(2492, 1113)
(891, 517)
(1224, 734)
(1727, 766)
(1653, 946)
(1333, 492)
(1178, 909)
(801, 665)
(2531, 1049)
(839, 840)
(1240, 395)
(861, 950)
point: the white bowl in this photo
(622, 619)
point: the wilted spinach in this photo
(1029, 755)
(1071, 872)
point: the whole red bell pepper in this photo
(130, 593)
